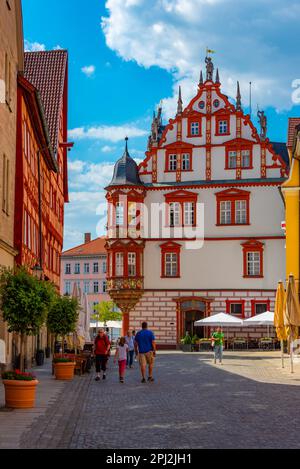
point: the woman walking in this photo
(121, 355)
(101, 352)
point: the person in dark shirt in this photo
(145, 348)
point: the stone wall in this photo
(158, 309)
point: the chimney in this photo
(87, 237)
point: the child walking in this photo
(121, 355)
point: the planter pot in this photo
(186, 347)
(19, 394)
(64, 371)
(40, 357)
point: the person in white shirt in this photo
(121, 355)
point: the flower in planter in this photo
(17, 375)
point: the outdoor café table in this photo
(239, 344)
(205, 345)
(267, 344)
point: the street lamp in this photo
(38, 271)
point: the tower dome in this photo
(126, 171)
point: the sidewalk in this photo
(13, 423)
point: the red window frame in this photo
(222, 117)
(181, 197)
(255, 302)
(130, 248)
(233, 196)
(235, 148)
(191, 120)
(170, 248)
(253, 246)
(230, 302)
(177, 153)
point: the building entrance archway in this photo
(189, 310)
(189, 320)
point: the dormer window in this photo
(246, 158)
(231, 157)
(223, 127)
(185, 162)
(222, 124)
(195, 128)
(172, 162)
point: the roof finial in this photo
(179, 102)
(126, 145)
(217, 76)
(201, 79)
(238, 98)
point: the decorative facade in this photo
(195, 229)
(11, 63)
(41, 173)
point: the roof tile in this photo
(46, 71)
(94, 247)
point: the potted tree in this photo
(24, 301)
(186, 343)
(61, 320)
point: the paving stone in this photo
(192, 404)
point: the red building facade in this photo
(41, 170)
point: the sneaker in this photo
(97, 378)
(122, 380)
(104, 377)
(151, 379)
(143, 380)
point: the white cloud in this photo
(58, 47)
(89, 70)
(105, 132)
(244, 34)
(108, 149)
(94, 176)
(33, 46)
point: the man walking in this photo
(145, 349)
(217, 338)
(101, 351)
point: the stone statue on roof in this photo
(209, 68)
(263, 124)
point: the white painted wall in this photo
(216, 265)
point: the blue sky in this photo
(127, 55)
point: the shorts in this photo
(146, 358)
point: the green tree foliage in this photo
(24, 301)
(105, 312)
(62, 317)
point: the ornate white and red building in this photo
(195, 229)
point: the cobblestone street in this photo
(248, 402)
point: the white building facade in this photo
(196, 229)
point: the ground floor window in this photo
(259, 306)
(235, 308)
